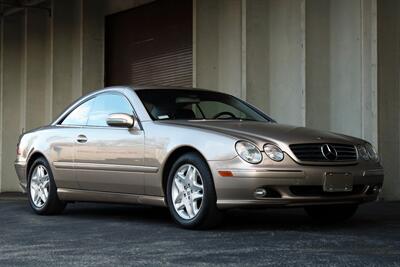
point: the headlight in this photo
(373, 155)
(362, 152)
(367, 152)
(248, 152)
(273, 152)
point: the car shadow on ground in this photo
(234, 220)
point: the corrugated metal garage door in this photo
(150, 45)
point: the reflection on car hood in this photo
(264, 131)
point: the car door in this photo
(109, 159)
(62, 145)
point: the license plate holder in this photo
(338, 182)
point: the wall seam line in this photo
(194, 43)
(362, 62)
(24, 75)
(1, 96)
(303, 60)
(243, 92)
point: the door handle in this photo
(81, 138)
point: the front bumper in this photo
(290, 184)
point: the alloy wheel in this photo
(187, 191)
(40, 186)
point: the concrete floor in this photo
(108, 235)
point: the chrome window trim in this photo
(112, 90)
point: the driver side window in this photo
(79, 116)
(106, 104)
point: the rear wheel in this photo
(191, 195)
(331, 213)
(42, 190)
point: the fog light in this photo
(260, 192)
(376, 189)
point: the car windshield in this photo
(178, 104)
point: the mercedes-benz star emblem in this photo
(329, 152)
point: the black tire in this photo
(331, 213)
(53, 205)
(208, 215)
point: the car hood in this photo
(261, 132)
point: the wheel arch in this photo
(173, 156)
(34, 156)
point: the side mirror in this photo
(121, 120)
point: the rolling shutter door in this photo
(150, 45)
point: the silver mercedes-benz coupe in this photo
(197, 152)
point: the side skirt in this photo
(96, 196)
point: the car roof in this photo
(162, 87)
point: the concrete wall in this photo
(389, 93)
(218, 50)
(275, 58)
(36, 89)
(341, 68)
(294, 52)
(1, 100)
(253, 50)
(13, 73)
(318, 57)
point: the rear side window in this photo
(105, 105)
(79, 115)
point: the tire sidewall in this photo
(52, 187)
(208, 190)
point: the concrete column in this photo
(229, 47)
(219, 45)
(389, 94)
(207, 48)
(37, 68)
(318, 64)
(341, 72)
(334, 75)
(275, 58)
(93, 45)
(66, 53)
(369, 71)
(1, 98)
(11, 87)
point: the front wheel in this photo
(331, 213)
(191, 195)
(42, 190)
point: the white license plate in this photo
(338, 182)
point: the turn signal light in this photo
(225, 173)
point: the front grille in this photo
(313, 152)
(317, 190)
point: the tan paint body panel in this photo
(110, 160)
(122, 165)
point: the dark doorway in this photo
(150, 45)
